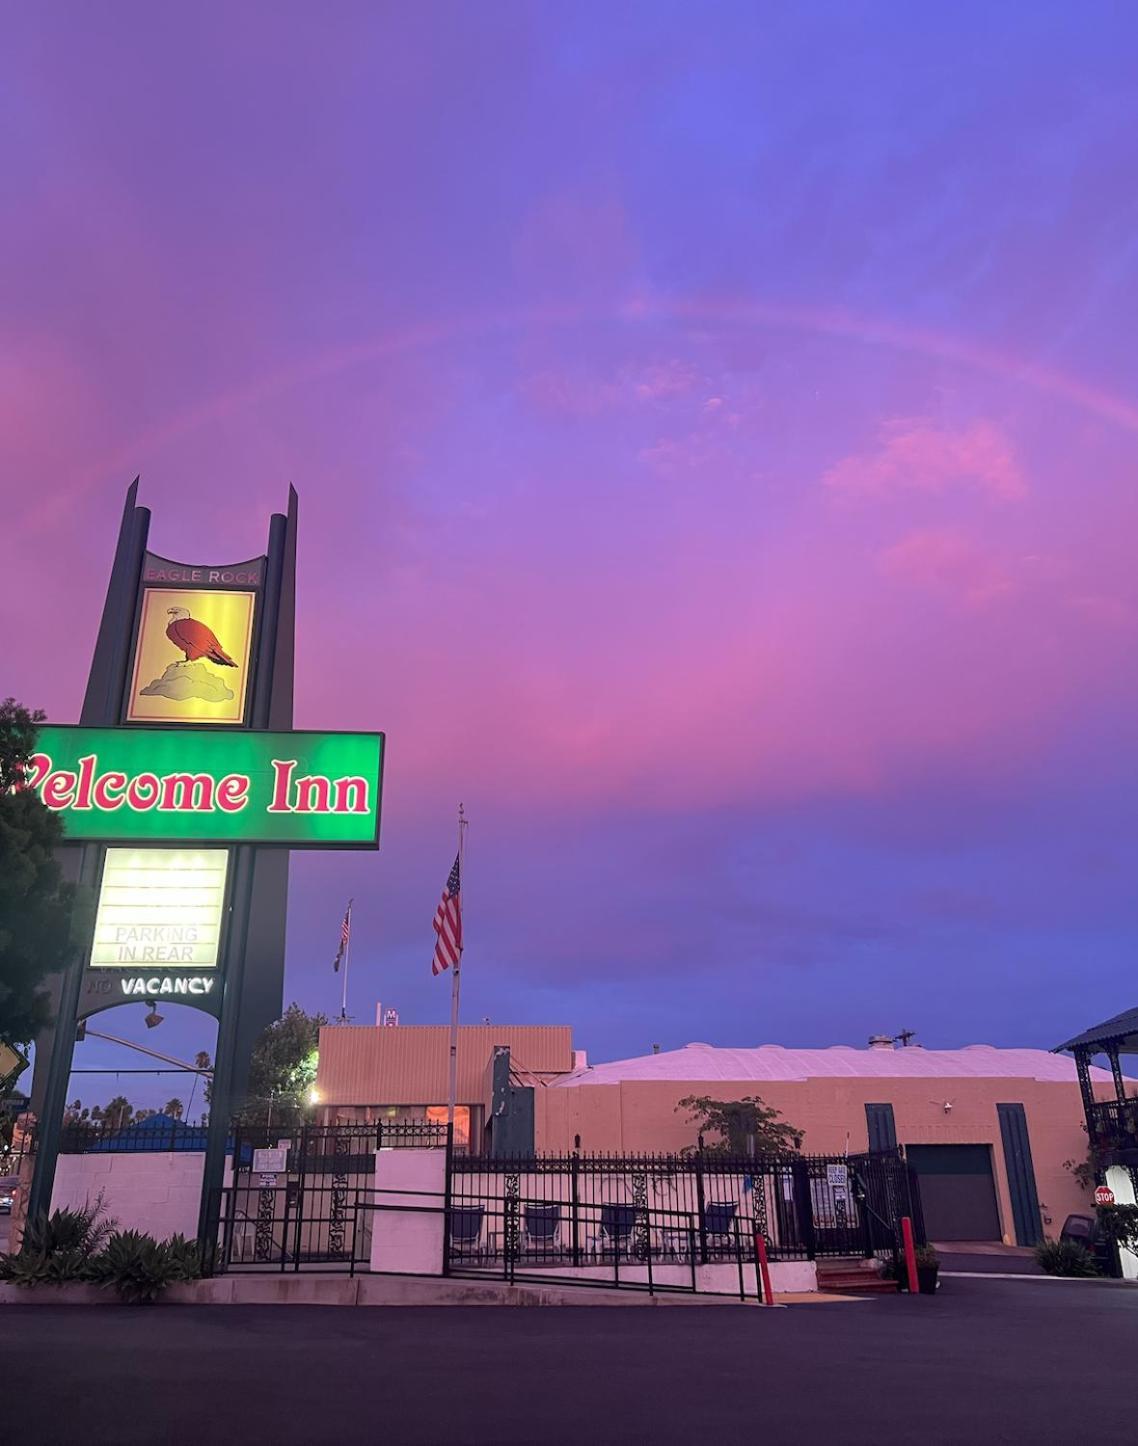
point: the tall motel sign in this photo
(182, 791)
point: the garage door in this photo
(957, 1192)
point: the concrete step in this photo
(855, 1282)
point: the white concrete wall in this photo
(1119, 1181)
(409, 1240)
(158, 1193)
(787, 1276)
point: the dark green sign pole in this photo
(101, 704)
(50, 1124)
(222, 1091)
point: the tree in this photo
(203, 1061)
(117, 1113)
(283, 1069)
(36, 905)
(745, 1127)
(173, 1108)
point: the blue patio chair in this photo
(541, 1224)
(465, 1227)
(616, 1226)
(719, 1222)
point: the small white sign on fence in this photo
(269, 1161)
(837, 1176)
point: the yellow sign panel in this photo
(191, 662)
(160, 907)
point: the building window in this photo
(437, 1115)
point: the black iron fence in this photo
(1114, 1124)
(152, 1134)
(302, 1197)
(586, 1210)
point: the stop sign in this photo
(1104, 1195)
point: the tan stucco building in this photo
(987, 1130)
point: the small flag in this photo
(448, 925)
(345, 936)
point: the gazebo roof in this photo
(1122, 1031)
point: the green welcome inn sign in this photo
(182, 791)
(157, 785)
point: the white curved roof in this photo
(700, 1062)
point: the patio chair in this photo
(719, 1226)
(541, 1223)
(616, 1222)
(465, 1228)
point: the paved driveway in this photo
(984, 1361)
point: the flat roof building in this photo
(987, 1130)
(399, 1073)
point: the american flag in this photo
(448, 925)
(345, 936)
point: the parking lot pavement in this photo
(982, 1361)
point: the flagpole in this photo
(347, 960)
(452, 1083)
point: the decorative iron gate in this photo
(305, 1215)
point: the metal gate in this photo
(305, 1214)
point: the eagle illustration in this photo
(195, 639)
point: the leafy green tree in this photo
(36, 905)
(283, 1069)
(744, 1127)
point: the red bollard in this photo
(910, 1254)
(763, 1267)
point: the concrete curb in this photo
(362, 1290)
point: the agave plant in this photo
(1065, 1257)
(137, 1267)
(59, 1247)
(185, 1257)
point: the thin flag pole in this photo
(452, 1083)
(347, 961)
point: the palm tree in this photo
(117, 1113)
(173, 1108)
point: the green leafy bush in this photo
(138, 1267)
(185, 1258)
(58, 1248)
(1120, 1224)
(1065, 1257)
(135, 1266)
(926, 1256)
(81, 1245)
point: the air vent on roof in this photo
(880, 1041)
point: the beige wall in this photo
(642, 1116)
(408, 1064)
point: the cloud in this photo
(948, 559)
(917, 456)
(665, 380)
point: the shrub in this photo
(185, 1258)
(1065, 1257)
(894, 1268)
(1120, 1224)
(135, 1266)
(59, 1247)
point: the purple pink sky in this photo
(715, 432)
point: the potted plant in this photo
(928, 1268)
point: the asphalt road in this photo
(983, 1361)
